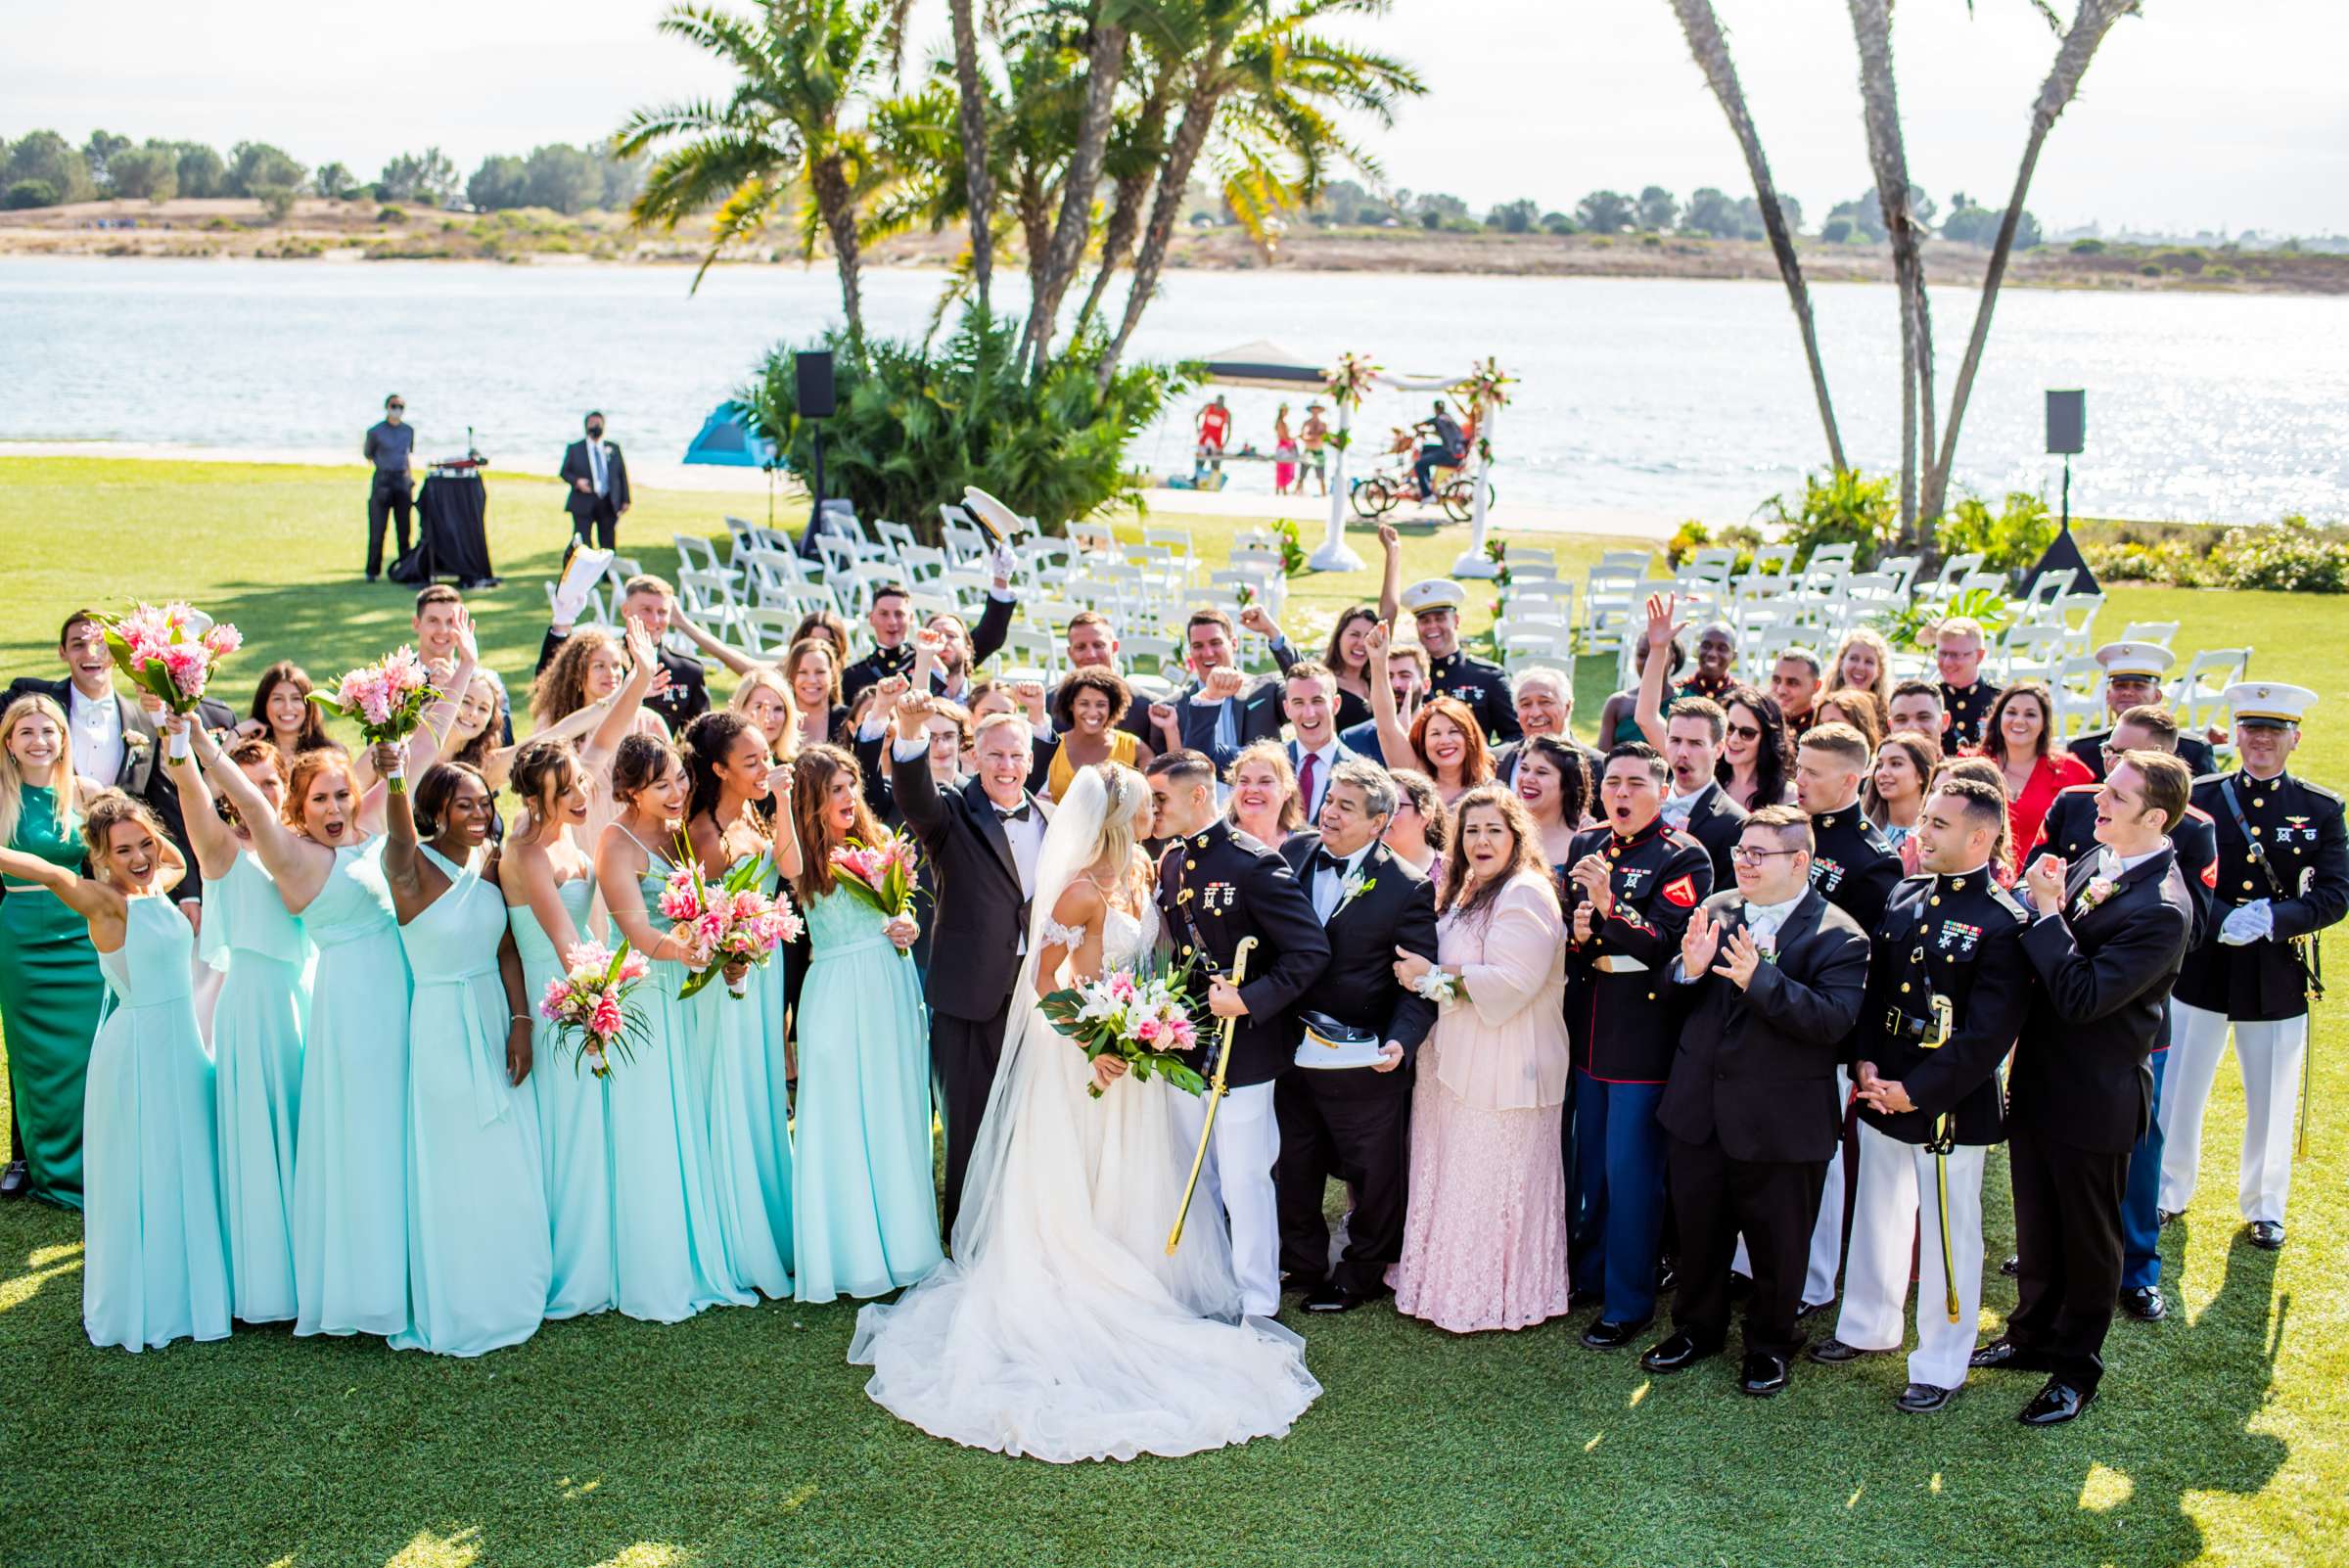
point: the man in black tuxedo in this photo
(595, 477)
(1353, 1122)
(2107, 940)
(1694, 728)
(651, 600)
(1216, 887)
(1222, 712)
(954, 653)
(1768, 984)
(983, 839)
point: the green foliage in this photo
(1692, 536)
(2088, 248)
(1836, 231)
(1912, 626)
(149, 173)
(1846, 507)
(2295, 555)
(390, 214)
(255, 165)
(1606, 212)
(277, 199)
(427, 176)
(2157, 561)
(916, 423)
(1293, 559)
(1514, 217)
(25, 194)
(46, 156)
(2009, 540)
(1687, 540)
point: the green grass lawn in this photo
(742, 1437)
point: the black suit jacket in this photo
(687, 697)
(1396, 908)
(1717, 822)
(1260, 719)
(2193, 750)
(576, 467)
(981, 913)
(2104, 976)
(1756, 1068)
(1216, 887)
(2069, 830)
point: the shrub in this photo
(1916, 626)
(2149, 270)
(1687, 540)
(28, 194)
(390, 214)
(2293, 556)
(917, 422)
(277, 201)
(1836, 231)
(2088, 248)
(2136, 561)
(2009, 540)
(1847, 507)
(1692, 536)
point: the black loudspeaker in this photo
(2068, 422)
(811, 383)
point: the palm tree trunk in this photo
(978, 186)
(2092, 21)
(1711, 54)
(1880, 113)
(1174, 177)
(1126, 207)
(1105, 60)
(834, 205)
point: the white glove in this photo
(579, 576)
(2251, 922)
(1003, 563)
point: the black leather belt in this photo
(1901, 1027)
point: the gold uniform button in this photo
(1935, 900)
(1651, 996)
(1190, 865)
(2246, 884)
(1956, 884)
(2258, 800)
(1903, 988)
(2255, 830)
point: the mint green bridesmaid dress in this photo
(156, 1251)
(727, 1038)
(477, 1249)
(575, 1135)
(258, 1025)
(350, 1164)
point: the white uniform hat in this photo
(1434, 593)
(2265, 703)
(2145, 661)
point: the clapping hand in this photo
(1590, 874)
(1698, 944)
(1740, 962)
(1586, 921)
(2046, 881)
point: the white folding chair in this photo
(1945, 584)
(696, 553)
(2198, 697)
(2163, 633)
(1150, 655)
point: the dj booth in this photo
(452, 534)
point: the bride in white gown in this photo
(1061, 1330)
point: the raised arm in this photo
(215, 845)
(910, 780)
(732, 657)
(298, 866)
(1648, 708)
(404, 861)
(1394, 741)
(1390, 579)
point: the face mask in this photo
(595, 432)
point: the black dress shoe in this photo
(2006, 1355)
(2267, 1236)
(1331, 1299)
(1740, 1287)
(2145, 1304)
(1834, 1353)
(1679, 1350)
(2162, 1216)
(16, 1180)
(1763, 1374)
(1607, 1335)
(1812, 1308)
(1668, 1274)
(1922, 1398)
(2012, 1267)
(2055, 1404)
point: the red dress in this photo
(2053, 774)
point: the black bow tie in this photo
(1324, 860)
(1017, 813)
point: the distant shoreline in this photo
(350, 232)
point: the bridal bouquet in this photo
(588, 1005)
(387, 699)
(880, 875)
(731, 921)
(169, 652)
(1141, 1014)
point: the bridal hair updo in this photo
(1129, 797)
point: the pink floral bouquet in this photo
(169, 652)
(588, 1005)
(729, 922)
(387, 699)
(882, 875)
(1141, 1014)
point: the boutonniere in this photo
(136, 740)
(1352, 888)
(2097, 892)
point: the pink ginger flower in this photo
(635, 967)
(188, 664)
(589, 958)
(556, 1001)
(605, 1020)
(679, 898)
(223, 640)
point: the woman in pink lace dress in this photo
(1484, 1242)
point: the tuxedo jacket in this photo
(2069, 830)
(1717, 822)
(576, 467)
(688, 696)
(1215, 888)
(1260, 719)
(1756, 1067)
(981, 913)
(2105, 973)
(1396, 908)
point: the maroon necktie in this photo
(1305, 780)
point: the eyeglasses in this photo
(1745, 857)
(1746, 731)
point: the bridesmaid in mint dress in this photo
(49, 986)
(154, 1265)
(731, 806)
(671, 1257)
(478, 1250)
(257, 1023)
(549, 885)
(864, 1201)
(350, 1169)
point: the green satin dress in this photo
(50, 995)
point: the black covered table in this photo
(452, 536)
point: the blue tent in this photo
(727, 440)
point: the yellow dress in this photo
(1062, 774)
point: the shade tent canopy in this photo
(1270, 366)
(727, 440)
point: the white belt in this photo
(1617, 964)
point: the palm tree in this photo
(1880, 113)
(2090, 23)
(804, 65)
(1711, 51)
(1105, 62)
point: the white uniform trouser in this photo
(1826, 1236)
(1899, 1198)
(1238, 1176)
(2270, 1055)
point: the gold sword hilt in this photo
(1214, 1095)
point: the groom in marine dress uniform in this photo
(1216, 887)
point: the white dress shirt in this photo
(1329, 881)
(97, 726)
(1677, 807)
(1324, 760)
(599, 471)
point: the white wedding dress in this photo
(1061, 1330)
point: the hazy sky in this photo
(2200, 114)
